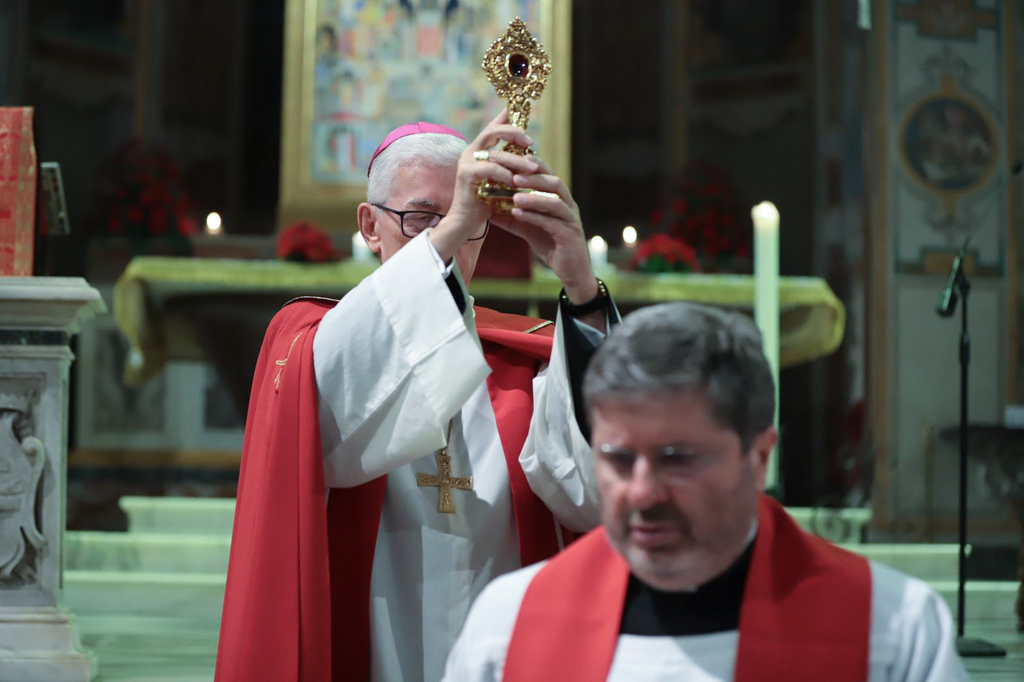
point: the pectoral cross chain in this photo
(444, 480)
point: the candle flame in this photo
(629, 235)
(765, 214)
(214, 223)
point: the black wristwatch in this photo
(592, 306)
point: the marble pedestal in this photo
(38, 316)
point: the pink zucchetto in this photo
(412, 129)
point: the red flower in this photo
(662, 252)
(305, 242)
(141, 194)
(187, 225)
(158, 221)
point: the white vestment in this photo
(912, 639)
(395, 362)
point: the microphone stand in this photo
(959, 287)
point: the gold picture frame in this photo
(340, 97)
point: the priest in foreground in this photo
(696, 574)
(402, 447)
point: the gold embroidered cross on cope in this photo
(282, 363)
(444, 481)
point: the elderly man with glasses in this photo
(404, 447)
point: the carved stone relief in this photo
(22, 459)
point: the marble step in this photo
(985, 599)
(150, 648)
(184, 595)
(192, 515)
(200, 595)
(926, 562)
(157, 552)
(215, 515)
(208, 553)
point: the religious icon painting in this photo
(948, 144)
(356, 69)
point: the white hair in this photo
(436, 149)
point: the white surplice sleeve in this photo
(395, 360)
(912, 634)
(556, 458)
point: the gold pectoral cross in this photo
(444, 480)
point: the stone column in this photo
(38, 316)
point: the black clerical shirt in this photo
(712, 607)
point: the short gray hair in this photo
(680, 347)
(433, 148)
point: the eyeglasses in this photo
(670, 462)
(414, 222)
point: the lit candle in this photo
(360, 251)
(214, 225)
(629, 236)
(766, 300)
(598, 248)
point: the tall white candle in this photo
(360, 251)
(766, 300)
(598, 248)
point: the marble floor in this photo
(150, 648)
(157, 649)
(997, 669)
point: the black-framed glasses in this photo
(414, 222)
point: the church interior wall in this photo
(928, 213)
(926, 385)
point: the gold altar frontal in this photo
(812, 319)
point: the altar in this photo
(218, 309)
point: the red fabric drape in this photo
(296, 608)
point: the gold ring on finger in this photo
(482, 155)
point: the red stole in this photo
(287, 554)
(806, 611)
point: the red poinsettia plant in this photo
(142, 196)
(665, 253)
(305, 242)
(700, 216)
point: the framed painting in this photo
(356, 69)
